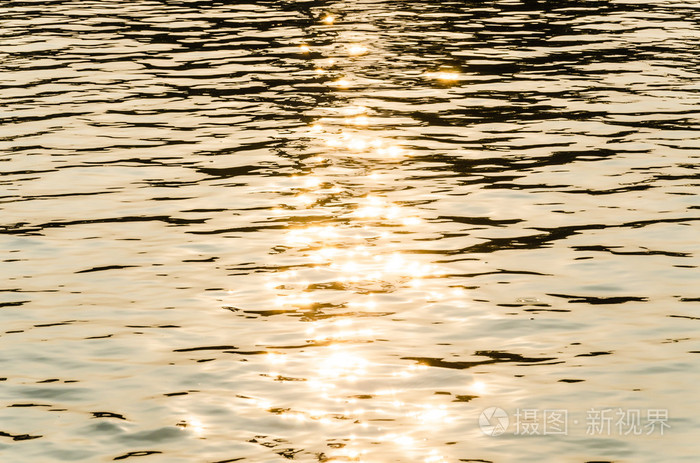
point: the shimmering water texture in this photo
(339, 231)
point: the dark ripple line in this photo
(20, 229)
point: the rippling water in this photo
(339, 231)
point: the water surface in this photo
(339, 231)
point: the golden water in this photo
(340, 231)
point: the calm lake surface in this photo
(376, 231)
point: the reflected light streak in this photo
(311, 182)
(478, 386)
(459, 292)
(411, 221)
(431, 415)
(358, 120)
(354, 110)
(400, 440)
(276, 358)
(357, 263)
(344, 335)
(357, 143)
(312, 234)
(366, 305)
(447, 76)
(357, 49)
(345, 365)
(342, 83)
(434, 457)
(305, 199)
(375, 207)
(194, 424)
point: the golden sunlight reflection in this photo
(445, 76)
(478, 387)
(401, 440)
(341, 83)
(352, 137)
(313, 234)
(338, 330)
(428, 414)
(356, 143)
(344, 262)
(332, 249)
(339, 370)
(354, 110)
(192, 424)
(311, 181)
(305, 199)
(357, 49)
(342, 364)
(358, 120)
(434, 457)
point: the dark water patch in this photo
(139, 453)
(31, 230)
(203, 348)
(209, 259)
(67, 322)
(175, 394)
(599, 300)
(153, 326)
(495, 357)
(285, 378)
(595, 354)
(24, 405)
(289, 454)
(269, 313)
(19, 437)
(537, 310)
(684, 316)
(646, 252)
(105, 336)
(13, 303)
